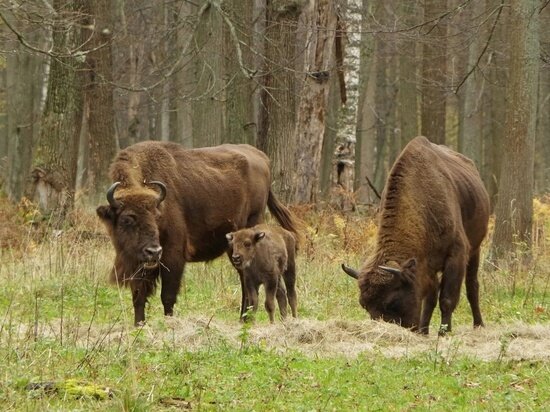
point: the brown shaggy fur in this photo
(266, 254)
(210, 192)
(434, 216)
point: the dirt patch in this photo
(347, 338)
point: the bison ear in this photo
(229, 237)
(105, 213)
(258, 236)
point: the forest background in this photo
(330, 90)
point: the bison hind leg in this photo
(472, 288)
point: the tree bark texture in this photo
(434, 72)
(310, 124)
(514, 208)
(365, 134)
(55, 158)
(98, 99)
(209, 95)
(240, 125)
(407, 100)
(276, 117)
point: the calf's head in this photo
(389, 293)
(132, 223)
(243, 245)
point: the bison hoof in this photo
(139, 324)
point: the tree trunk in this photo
(434, 72)
(98, 100)
(407, 101)
(209, 96)
(55, 158)
(470, 143)
(310, 124)
(240, 125)
(514, 208)
(276, 119)
(366, 117)
(21, 68)
(542, 143)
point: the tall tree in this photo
(407, 101)
(542, 151)
(240, 125)
(365, 133)
(209, 96)
(514, 208)
(310, 124)
(21, 67)
(276, 117)
(55, 158)
(434, 71)
(471, 133)
(98, 97)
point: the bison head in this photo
(132, 222)
(389, 293)
(243, 245)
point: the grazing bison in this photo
(170, 205)
(433, 217)
(265, 254)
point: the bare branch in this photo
(484, 48)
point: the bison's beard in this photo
(125, 273)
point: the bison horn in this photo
(391, 270)
(111, 195)
(162, 188)
(352, 272)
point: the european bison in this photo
(265, 254)
(433, 217)
(170, 205)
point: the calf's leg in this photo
(281, 299)
(251, 296)
(271, 287)
(290, 281)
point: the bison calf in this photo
(264, 254)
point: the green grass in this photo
(60, 320)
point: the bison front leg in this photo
(451, 282)
(171, 276)
(428, 307)
(141, 289)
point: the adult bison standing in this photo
(433, 218)
(170, 205)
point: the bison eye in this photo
(247, 244)
(127, 221)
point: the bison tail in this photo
(281, 213)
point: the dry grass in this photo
(324, 293)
